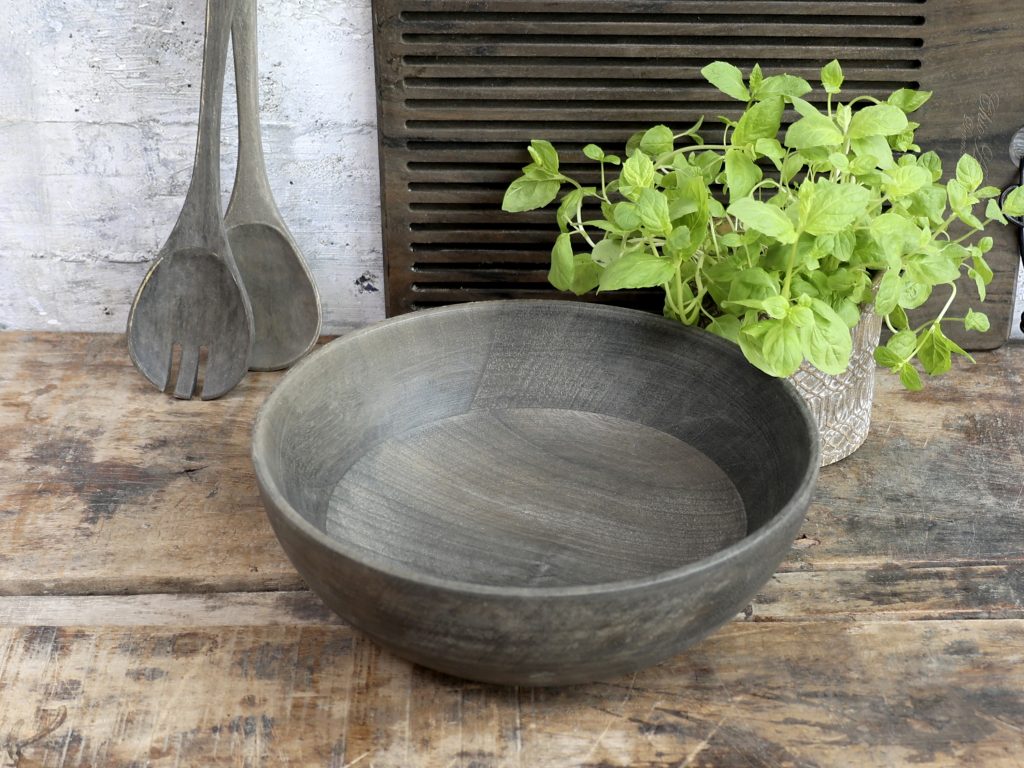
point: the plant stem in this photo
(791, 266)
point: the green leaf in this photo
(781, 85)
(896, 237)
(525, 194)
(888, 294)
(657, 141)
(969, 172)
(829, 343)
(770, 148)
(742, 174)
(751, 341)
(756, 79)
(840, 161)
(832, 77)
(791, 166)
(981, 272)
(569, 208)
(829, 207)
(637, 173)
(626, 216)
(993, 212)
(636, 269)
(726, 326)
(680, 243)
(847, 310)
(1013, 205)
(934, 352)
(886, 358)
(843, 115)
(653, 208)
(903, 343)
(976, 321)
(776, 306)
(840, 245)
(913, 294)
(982, 268)
(594, 152)
(606, 251)
(813, 130)
(878, 120)
(761, 121)
(763, 218)
(726, 78)
(783, 346)
(929, 202)
(874, 147)
(933, 163)
(905, 180)
(932, 268)
(909, 100)
(752, 284)
(544, 154)
(910, 378)
(586, 274)
(898, 318)
(562, 266)
(962, 202)
(979, 283)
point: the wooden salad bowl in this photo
(534, 492)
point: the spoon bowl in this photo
(285, 303)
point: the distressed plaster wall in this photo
(98, 109)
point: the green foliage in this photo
(812, 223)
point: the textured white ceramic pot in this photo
(842, 404)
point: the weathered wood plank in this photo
(940, 478)
(108, 487)
(796, 694)
(224, 609)
(886, 593)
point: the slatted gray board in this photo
(463, 85)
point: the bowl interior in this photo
(532, 444)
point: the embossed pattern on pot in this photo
(842, 404)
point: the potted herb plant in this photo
(795, 249)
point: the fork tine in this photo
(188, 370)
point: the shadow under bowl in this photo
(534, 492)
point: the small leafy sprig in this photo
(777, 245)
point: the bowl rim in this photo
(795, 505)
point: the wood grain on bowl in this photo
(534, 492)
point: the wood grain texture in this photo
(891, 635)
(464, 86)
(107, 485)
(93, 459)
(599, 499)
(935, 693)
(535, 492)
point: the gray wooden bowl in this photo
(534, 492)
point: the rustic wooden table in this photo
(148, 617)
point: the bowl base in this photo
(536, 497)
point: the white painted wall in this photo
(98, 109)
